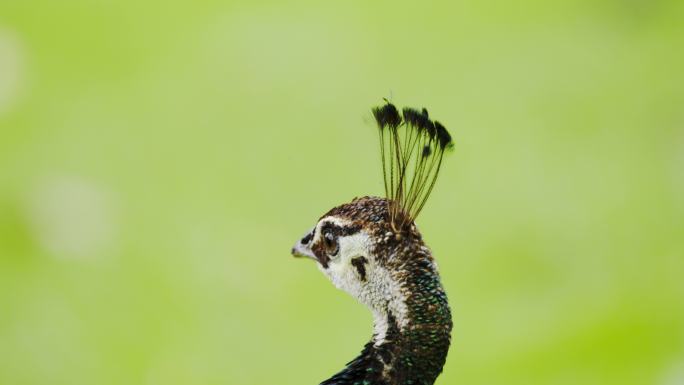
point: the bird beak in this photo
(302, 248)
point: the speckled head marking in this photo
(372, 249)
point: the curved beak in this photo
(302, 248)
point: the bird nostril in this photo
(307, 239)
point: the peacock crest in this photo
(411, 147)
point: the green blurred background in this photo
(158, 160)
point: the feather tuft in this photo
(411, 148)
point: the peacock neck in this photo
(407, 348)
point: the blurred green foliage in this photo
(158, 160)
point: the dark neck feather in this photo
(415, 354)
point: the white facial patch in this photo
(340, 269)
(379, 291)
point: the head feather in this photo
(411, 147)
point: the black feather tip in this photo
(387, 116)
(443, 136)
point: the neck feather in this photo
(412, 350)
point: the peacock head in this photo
(355, 247)
(363, 246)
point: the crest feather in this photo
(411, 147)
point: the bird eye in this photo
(331, 246)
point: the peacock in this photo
(372, 249)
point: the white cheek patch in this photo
(340, 270)
(379, 291)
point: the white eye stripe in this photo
(335, 221)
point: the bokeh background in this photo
(159, 159)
